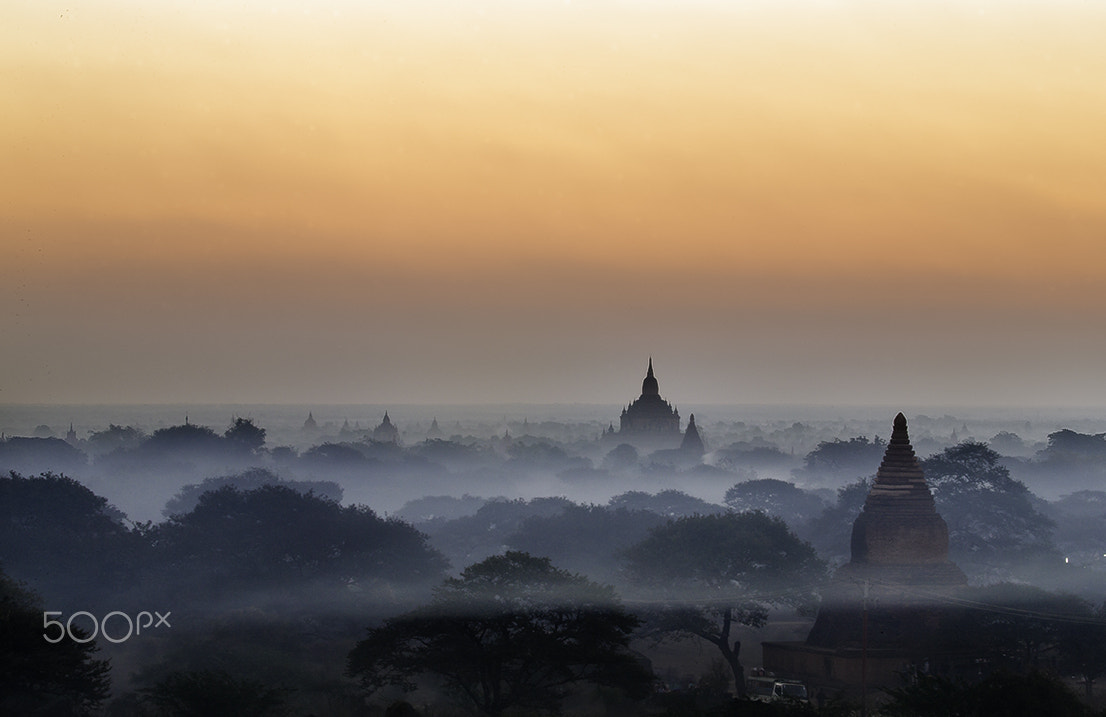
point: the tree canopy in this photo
(511, 631)
(710, 572)
(39, 677)
(992, 522)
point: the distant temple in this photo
(887, 609)
(310, 425)
(386, 432)
(693, 442)
(650, 415)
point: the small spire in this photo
(650, 372)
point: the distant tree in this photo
(1007, 443)
(236, 540)
(839, 461)
(752, 456)
(992, 522)
(245, 436)
(184, 440)
(622, 457)
(202, 693)
(585, 539)
(40, 677)
(775, 497)
(188, 496)
(542, 455)
(439, 507)
(472, 538)
(669, 503)
(831, 531)
(715, 571)
(33, 455)
(511, 632)
(1067, 442)
(334, 455)
(115, 438)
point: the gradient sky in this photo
(788, 201)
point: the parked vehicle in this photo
(767, 688)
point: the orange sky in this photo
(519, 200)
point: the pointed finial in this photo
(650, 372)
(900, 421)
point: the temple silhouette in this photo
(886, 612)
(650, 418)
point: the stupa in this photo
(888, 607)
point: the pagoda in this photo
(650, 416)
(889, 607)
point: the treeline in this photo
(270, 590)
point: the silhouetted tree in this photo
(245, 436)
(511, 631)
(472, 538)
(188, 496)
(184, 438)
(33, 455)
(63, 538)
(244, 539)
(775, 497)
(115, 438)
(839, 460)
(992, 522)
(716, 571)
(669, 503)
(42, 677)
(586, 539)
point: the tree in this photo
(774, 497)
(669, 503)
(716, 571)
(992, 522)
(63, 538)
(189, 495)
(245, 435)
(838, 460)
(39, 677)
(586, 539)
(831, 531)
(242, 540)
(511, 631)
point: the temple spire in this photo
(650, 387)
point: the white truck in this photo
(766, 688)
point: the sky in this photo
(799, 201)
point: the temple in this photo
(650, 416)
(888, 607)
(386, 432)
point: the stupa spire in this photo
(650, 387)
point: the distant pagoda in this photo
(386, 432)
(650, 416)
